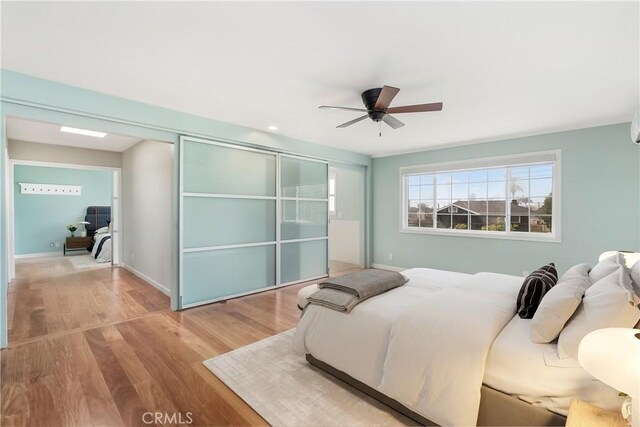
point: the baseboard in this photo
(147, 279)
(387, 267)
(38, 255)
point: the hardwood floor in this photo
(100, 347)
(51, 295)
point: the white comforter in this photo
(105, 251)
(423, 344)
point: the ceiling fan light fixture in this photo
(376, 102)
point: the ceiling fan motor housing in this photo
(369, 98)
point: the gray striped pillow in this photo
(534, 287)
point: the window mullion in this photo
(435, 202)
(507, 209)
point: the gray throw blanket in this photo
(334, 299)
(345, 292)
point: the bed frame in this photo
(496, 408)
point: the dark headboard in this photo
(98, 216)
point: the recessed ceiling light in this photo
(272, 127)
(83, 132)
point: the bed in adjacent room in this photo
(447, 348)
(99, 218)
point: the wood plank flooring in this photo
(101, 347)
(49, 296)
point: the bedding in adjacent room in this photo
(101, 250)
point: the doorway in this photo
(346, 217)
(75, 203)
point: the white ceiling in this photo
(502, 69)
(48, 133)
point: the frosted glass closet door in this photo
(304, 219)
(228, 221)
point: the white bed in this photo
(365, 344)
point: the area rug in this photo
(286, 390)
(86, 261)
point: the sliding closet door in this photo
(228, 221)
(304, 219)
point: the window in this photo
(508, 197)
(332, 192)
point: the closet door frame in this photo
(278, 200)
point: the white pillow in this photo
(606, 267)
(635, 276)
(559, 304)
(608, 303)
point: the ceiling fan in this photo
(377, 102)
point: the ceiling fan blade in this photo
(386, 96)
(349, 123)
(392, 121)
(342, 108)
(436, 106)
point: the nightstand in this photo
(583, 414)
(76, 244)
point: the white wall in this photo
(22, 150)
(147, 185)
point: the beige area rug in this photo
(287, 391)
(86, 261)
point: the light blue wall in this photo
(600, 206)
(31, 98)
(42, 219)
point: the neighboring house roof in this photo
(487, 207)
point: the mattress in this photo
(533, 372)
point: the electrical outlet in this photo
(57, 244)
(51, 244)
(390, 256)
(132, 256)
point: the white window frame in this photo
(550, 156)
